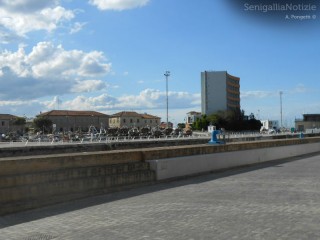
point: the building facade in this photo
(132, 119)
(7, 124)
(270, 125)
(71, 121)
(309, 121)
(220, 91)
(191, 118)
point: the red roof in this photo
(72, 113)
(133, 114)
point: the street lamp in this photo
(167, 74)
(281, 108)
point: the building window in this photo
(124, 120)
(131, 120)
(2, 123)
(138, 120)
(150, 121)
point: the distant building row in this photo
(65, 120)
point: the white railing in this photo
(228, 136)
(93, 140)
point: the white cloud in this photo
(50, 70)
(23, 16)
(26, 6)
(21, 108)
(146, 99)
(299, 89)
(118, 4)
(257, 94)
(91, 64)
(77, 26)
(88, 86)
(8, 37)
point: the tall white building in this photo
(220, 91)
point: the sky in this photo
(111, 56)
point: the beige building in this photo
(133, 119)
(309, 121)
(7, 124)
(65, 120)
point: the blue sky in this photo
(110, 56)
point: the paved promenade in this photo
(279, 200)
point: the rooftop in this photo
(7, 116)
(133, 114)
(72, 113)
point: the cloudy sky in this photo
(111, 55)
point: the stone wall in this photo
(33, 181)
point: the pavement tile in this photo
(278, 200)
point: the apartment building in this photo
(220, 91)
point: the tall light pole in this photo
(281, 108)
(167, 74)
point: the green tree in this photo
(42, 124)
(19, 121)
(234, 121)
(196, 125)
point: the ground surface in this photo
(279, 200)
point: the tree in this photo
(43, 124)
(230, 120)
(200, 123)
(196, 125)
(19, 121)
(234, 120)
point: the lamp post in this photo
(167, 74)
(281, 108)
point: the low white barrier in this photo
(183, 166)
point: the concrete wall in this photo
(34, 181)
(188, 165)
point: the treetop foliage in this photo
(229, 120)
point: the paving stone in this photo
(278, 200)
